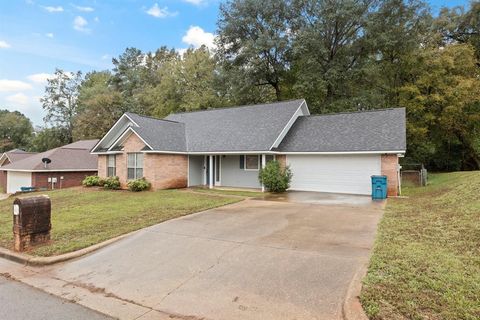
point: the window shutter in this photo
(242, 162)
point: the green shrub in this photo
(138, 185)
(91, 181)
(112, 183)
(275, 178)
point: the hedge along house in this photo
(227, 147)
(67, 167)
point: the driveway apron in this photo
(257, 259)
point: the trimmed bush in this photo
(138, 185)
(91, 181)
(275, 178)
(112, 183)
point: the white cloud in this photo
(4, 44)
(197, 37)
(196, 2)
(18, 99)
(158, 12)
(105, 57)
(13, 85)
(84, 9)
(96, 19)
(80, 24)
(52, 9)
(49, 35)
(39, 78)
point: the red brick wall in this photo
(102, 166)
(166, 171)
(163, 171)
(3, 181)
(389, 169)
(70, 179)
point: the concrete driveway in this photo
(257, 259)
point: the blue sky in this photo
(37, 36)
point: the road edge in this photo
(30, 260)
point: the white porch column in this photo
(263, 166)
(210, 171)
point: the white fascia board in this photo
(289, 124)
(344, 152)
(129, 130)
(112, 129)
(165, 152)
(273, 152)
(52, 170)
(106, 152)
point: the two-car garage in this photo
(334, 173)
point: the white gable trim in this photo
(130, 130)
(113, 129)
(290, 123)
(3, 158)
(51, 170)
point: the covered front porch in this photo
(227, 170)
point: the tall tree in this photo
(99, 106)
(61, 100)
(49, 138)
(254, 40)
(393, 32)
(329, 50)
(460, 25)
(187, 83)
(443, 108)
(15, 130)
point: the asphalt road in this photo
(19, 301)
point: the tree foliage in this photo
(339, 55)
(61, 100)
(15, 130)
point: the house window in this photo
(111, 165)
(251, 162)
(269, 157)
(135, 166)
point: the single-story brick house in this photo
(67, 167)
(227, 147)
(10, 157)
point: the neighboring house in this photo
(10, 157)
(227, 147)
(67, 167)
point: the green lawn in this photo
(82, 217)
(426, 260)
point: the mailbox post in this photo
(31, 221)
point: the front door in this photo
(216, 165)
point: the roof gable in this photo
(245, 128)
(72, 157)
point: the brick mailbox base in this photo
(31, 222)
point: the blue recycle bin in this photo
(379, 187)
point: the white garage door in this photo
(16, 180)
(334, 173)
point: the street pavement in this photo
(19, 301)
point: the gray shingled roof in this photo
(246, 128)
(379, 130)
(160, 134)
(17, 154)
(74, 156)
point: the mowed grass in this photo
(82, 217)
(426, 260)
